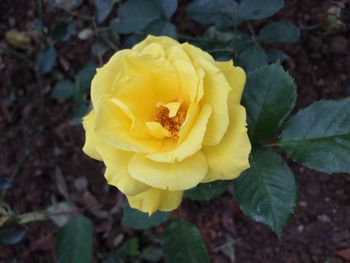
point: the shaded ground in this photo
(320, 228)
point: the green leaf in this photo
(104, 8)
(252, 58)
(152, 254)
(319, 136)
(98, 49)
(182, 242)
(269, 96)
(222, 13)
(166, 7)
(128, 252)
(12, 235)
(257, 9)
(132, 40)
(63, 31)
(136, 219)
(214, 35)
(84, 77)
(266, 192)
(276, 55)
(63, 90)
(46, 60)
(243, 41)
(133, 16)
(207, 191)
(81, 108)
(279, 32)
(161, 28)
(74, 241)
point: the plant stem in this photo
(252, 31)
(269, 145)
(76, 14)
(16, 171)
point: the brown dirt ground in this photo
(320, 228)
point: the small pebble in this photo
(303, 204)
(300, 228)
(57, 151)
(324, 218)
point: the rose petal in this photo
(102, 82)
(228, 159)
(156, 130)
(156, 199)
(165, 42)
(116, 173)
(91, 138)
(236, 78)
(169, 176)
(216, 90)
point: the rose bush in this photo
(166, 116)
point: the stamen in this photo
(172, 124)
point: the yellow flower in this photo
(166, 116)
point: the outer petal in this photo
(156, 199)
(190, 145)
(165, 42)
(117, 174)
(102, 82)
(236, 78)
(195, 52)
(91, 138)
(169, 176)
(228, 159)
(216, 90)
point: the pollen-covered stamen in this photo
(169, 118)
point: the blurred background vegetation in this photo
(55, 201)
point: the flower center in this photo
(170, 118)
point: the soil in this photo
(319, 231)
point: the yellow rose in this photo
(166, 116)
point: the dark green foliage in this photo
(319, 136)
(74, 241)
(134, 15)
(103, 8)
(182, 242)
(63, 90)
(252, 58)
(266, 192)
(279, 32)
(269, 97)
(46, 60)
(207, 191)
(135, 219)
